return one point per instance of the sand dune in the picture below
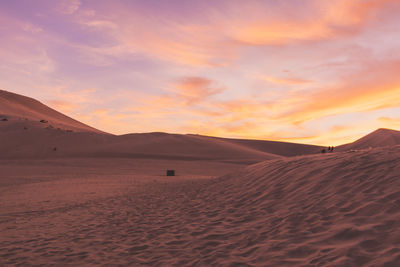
(39, 142)
(26, 108)
(22, 135)
(337, 209)
(20, 138)
(274, 147)
(378, 138)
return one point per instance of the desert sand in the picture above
(101, 199)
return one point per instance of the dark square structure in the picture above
(170, 172)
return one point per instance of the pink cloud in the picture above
(195, 89)
(62, 106)
(68, 6)
(375, 87)
(285, 80)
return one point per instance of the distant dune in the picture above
(27, 139)
(274, 147)
(35, 130)
(378, 138)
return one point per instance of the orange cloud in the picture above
(196, 89)
(101, 24)
(62, 106)
(241, 109)
(388, 122)
(285, 81)
(227, 34)
(376, 87)
(326, 20)
(186, 44)
(217, 38)
(185, 98)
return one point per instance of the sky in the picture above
(307, 71)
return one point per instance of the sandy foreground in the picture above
(73, 211)
(339, 209)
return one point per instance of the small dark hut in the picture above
(170, 172)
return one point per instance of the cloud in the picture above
(193, 90)
(389, 121)
(215, 39)
(285, 80)
(101, 24)
(214, 35)
(29, 27)
(321, 20)
(375, 87)
(68, 6)
(62, 106)
(70, 102)
(100, 112)
(218, 48)
(184, 98)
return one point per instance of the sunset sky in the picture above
(311, 71)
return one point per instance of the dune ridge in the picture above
(379, 138)
(39, 142)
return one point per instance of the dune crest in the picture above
(379, 138)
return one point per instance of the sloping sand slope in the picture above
(379, 138)
(339, 209)
(26, 108)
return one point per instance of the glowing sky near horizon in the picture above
(312, 71)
